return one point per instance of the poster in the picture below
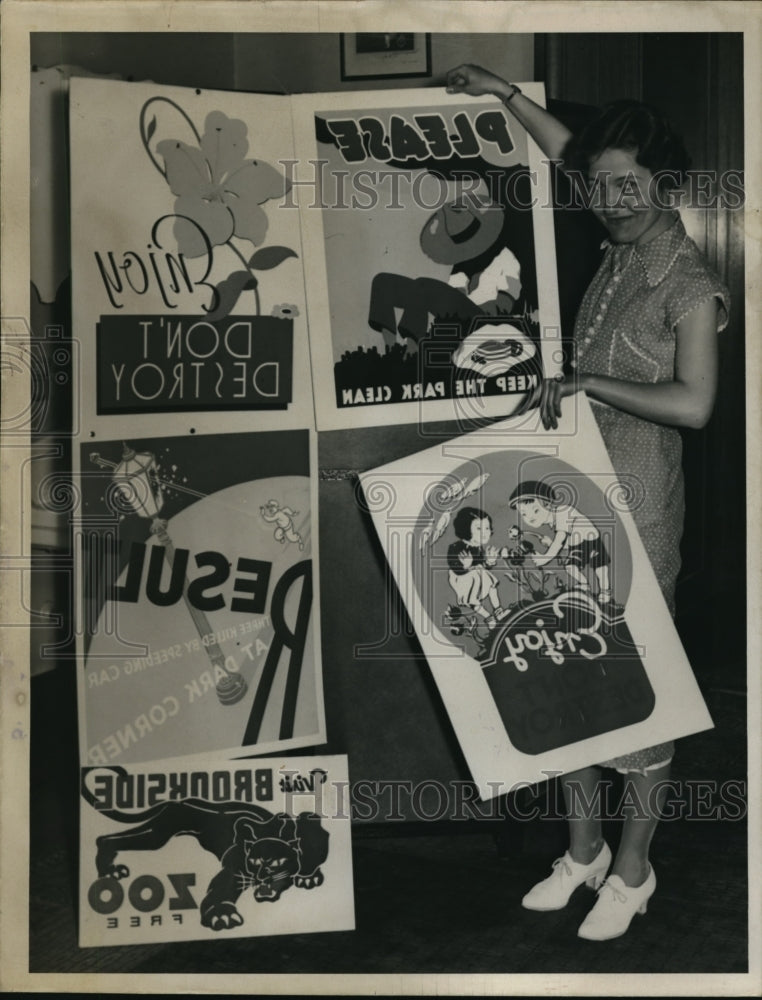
(426, 223)
(182, 45)
(199, 607)
(187, 267)
(548, 656)
(246, 849)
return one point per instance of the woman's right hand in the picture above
(475, 81)
(552, 392)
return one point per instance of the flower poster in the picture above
(183, 853)
(429, 255)
(187, 265)
(533, 599)
(199, 618)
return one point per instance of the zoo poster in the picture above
(429, 255)
(533, 598)
(243, 849)
(188, 293)
(199, 621)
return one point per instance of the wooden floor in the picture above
(437, 898)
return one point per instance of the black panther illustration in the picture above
(257, 849)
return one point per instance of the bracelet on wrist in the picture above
(514, 90)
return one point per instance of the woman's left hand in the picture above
(553, 391)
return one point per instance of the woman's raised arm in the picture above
(549, 134)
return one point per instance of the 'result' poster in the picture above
(427, 230)
(199, 622)
(533, 599)
(251, 848)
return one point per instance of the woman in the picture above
(646, 355)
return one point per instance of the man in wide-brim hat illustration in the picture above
(468, 236)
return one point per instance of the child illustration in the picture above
(469, 560)
(576, 541)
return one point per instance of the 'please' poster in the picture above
(427, 230)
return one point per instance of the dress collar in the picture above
(658, 255)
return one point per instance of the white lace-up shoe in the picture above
(615, 907)
(553, 893)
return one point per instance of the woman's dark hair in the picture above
(633, 126)
(465, 518)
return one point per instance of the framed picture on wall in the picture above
(373, 55)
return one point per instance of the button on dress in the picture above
(626, 328)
